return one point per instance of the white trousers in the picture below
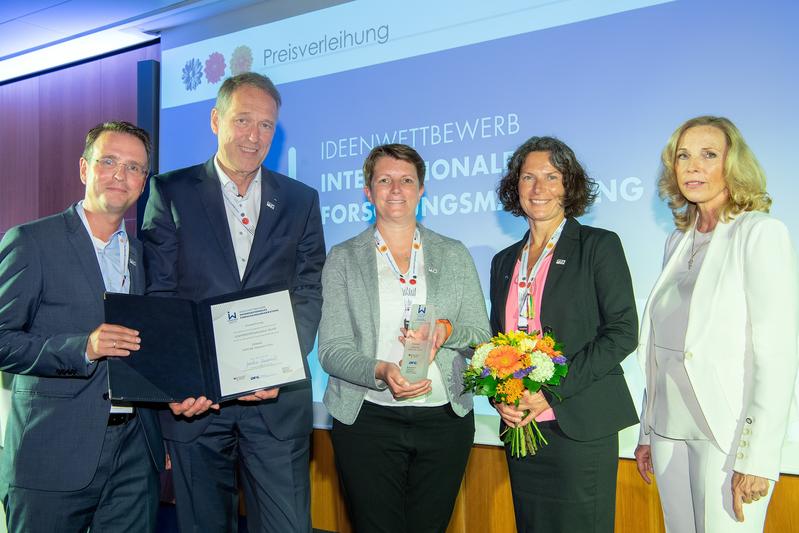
(694, 482)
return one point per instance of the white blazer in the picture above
(742, 341)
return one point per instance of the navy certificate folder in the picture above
(177, 358)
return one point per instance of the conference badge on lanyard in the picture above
(407, 281)
(526, 280)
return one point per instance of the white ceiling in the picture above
(39, 34)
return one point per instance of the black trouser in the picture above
(401, 467)
(569, 486)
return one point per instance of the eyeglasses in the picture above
(110, 164)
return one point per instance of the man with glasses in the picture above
(74, 460)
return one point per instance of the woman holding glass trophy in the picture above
(402, 427)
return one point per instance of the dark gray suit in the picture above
(51, 298)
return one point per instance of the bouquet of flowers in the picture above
(510, 363)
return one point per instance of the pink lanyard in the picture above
(526, 307)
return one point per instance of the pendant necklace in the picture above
(695, 249)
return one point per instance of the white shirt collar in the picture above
(82, 214)
(224, 179)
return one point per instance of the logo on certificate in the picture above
(231, 316)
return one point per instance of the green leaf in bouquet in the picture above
(487, 386)
(532, 386)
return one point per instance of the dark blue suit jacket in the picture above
(189, 253)
(51, 298)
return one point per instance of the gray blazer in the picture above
(351, 316)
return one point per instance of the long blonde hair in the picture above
(746, 181)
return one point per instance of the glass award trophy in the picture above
(419, 342)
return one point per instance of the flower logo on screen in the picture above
(192, 74)
(241, 60)
(214, 67)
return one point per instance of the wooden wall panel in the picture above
(45, 120)
(783, 511)
(69, 104)
(484, 504)
(118, 99)
(485, 499)
(328, 510)
(637, 504)
(19, 153)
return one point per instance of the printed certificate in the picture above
(256, 343)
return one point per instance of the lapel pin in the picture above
(270, 205)
(132, 261)
(560, 261)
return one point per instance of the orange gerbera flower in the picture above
(504, 360)
(545, 344)
(512, 389)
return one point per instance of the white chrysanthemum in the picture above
(544, 367)
(527, 345)
(480, 354)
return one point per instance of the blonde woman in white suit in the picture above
(719, 337)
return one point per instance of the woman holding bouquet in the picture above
(572, 280)
(401, 447)
(720, 379)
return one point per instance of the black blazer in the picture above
(188, 253)
(588, 302)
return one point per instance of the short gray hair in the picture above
(253, 79)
